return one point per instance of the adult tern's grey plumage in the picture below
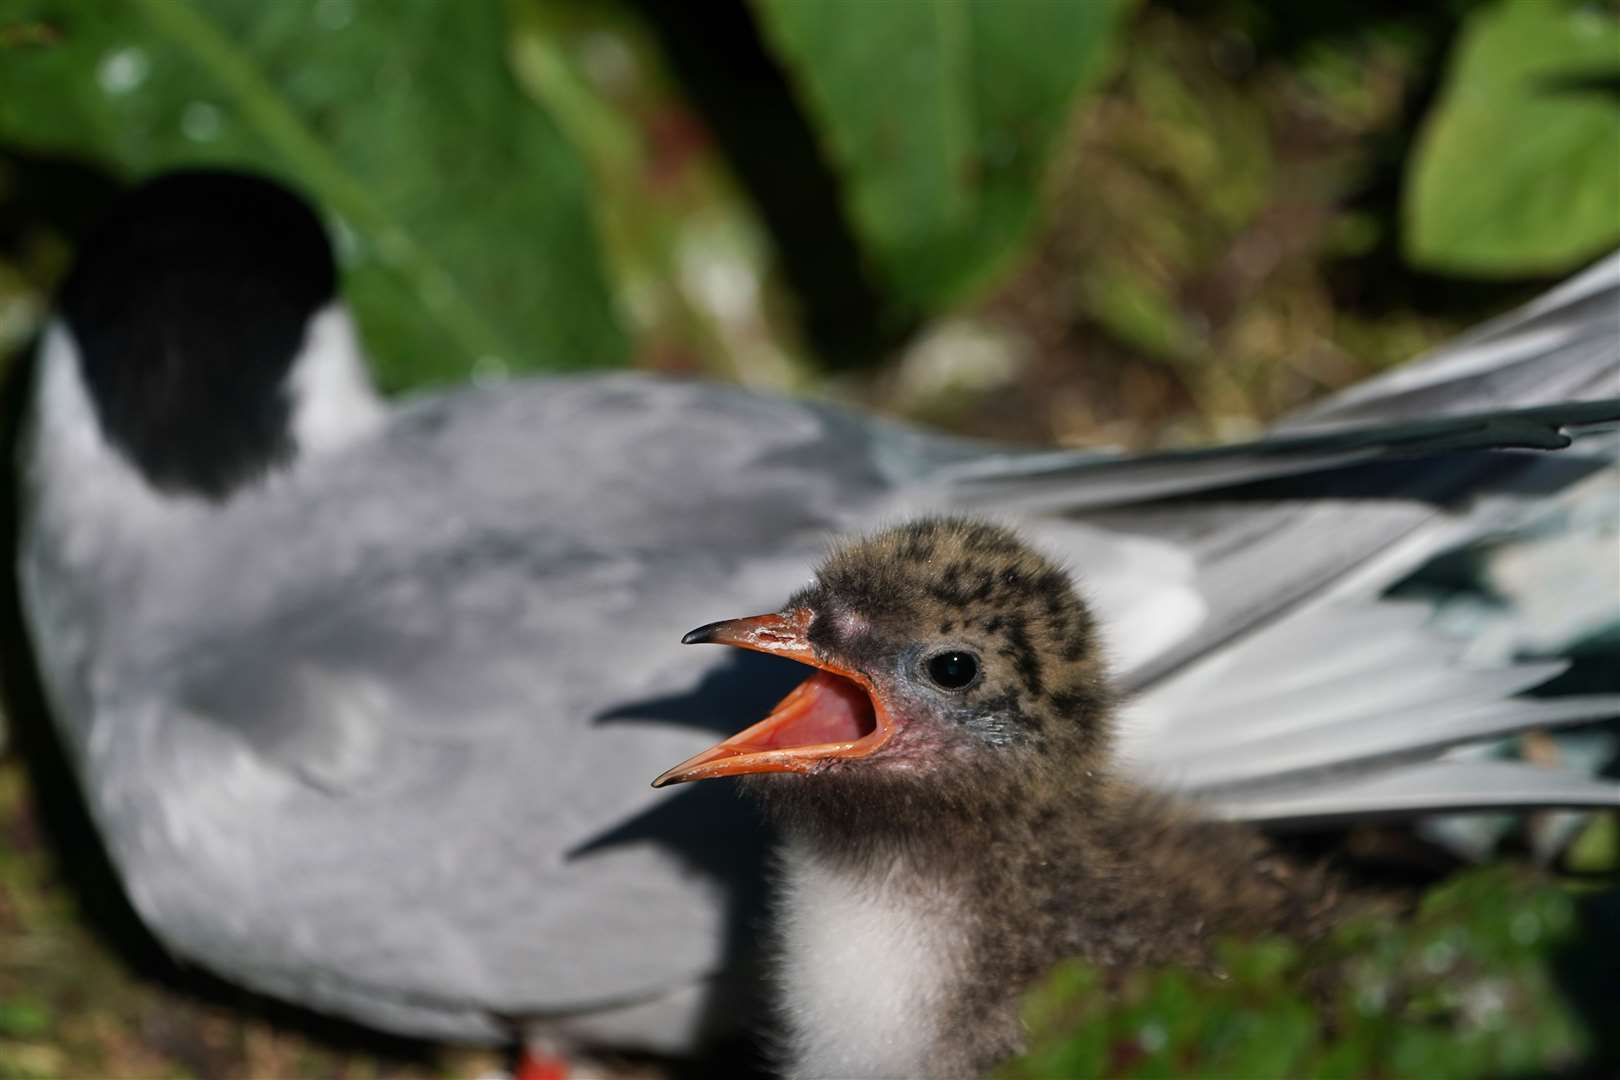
(364, 698)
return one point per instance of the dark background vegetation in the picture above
(1090, 222)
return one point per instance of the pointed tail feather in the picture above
(1432, 787)
(1371, 743)
(1519, 381)
(1429, 787)
(1085, 480)
(1422, 687)
(1560, 347)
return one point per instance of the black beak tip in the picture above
(702, 635)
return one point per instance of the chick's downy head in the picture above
(945, 646)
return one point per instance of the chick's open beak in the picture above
(831, 716)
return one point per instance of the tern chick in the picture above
(954, 822)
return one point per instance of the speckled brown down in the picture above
(999, 801)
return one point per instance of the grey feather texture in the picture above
(375, 733)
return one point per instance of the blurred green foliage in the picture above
(940, 119)
(1497, 974)
(463, 214)
(1518, 169)
(1219, 244)
(521, 186)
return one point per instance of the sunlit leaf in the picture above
(1518, 167)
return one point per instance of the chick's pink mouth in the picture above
(831, 716)
(825, 708)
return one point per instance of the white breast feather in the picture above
(866, 963)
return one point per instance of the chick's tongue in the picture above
(825, 708)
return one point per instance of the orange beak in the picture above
(831, 716)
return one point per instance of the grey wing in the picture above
(1424, 787)
(1306, 716)
(414, 787)
(1355, 704)
(1068, 482)
(1272, 678)
(396, 813)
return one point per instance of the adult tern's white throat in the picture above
(364, 696)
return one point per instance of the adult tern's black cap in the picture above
(187, 305)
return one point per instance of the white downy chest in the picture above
(867, 962)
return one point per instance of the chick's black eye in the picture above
(953, 670)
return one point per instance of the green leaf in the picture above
(1517, 170)
(1597, 849)
(940, 115)
(23, 1018)
(1138, 311)
(464, 222)
(1493, 975)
